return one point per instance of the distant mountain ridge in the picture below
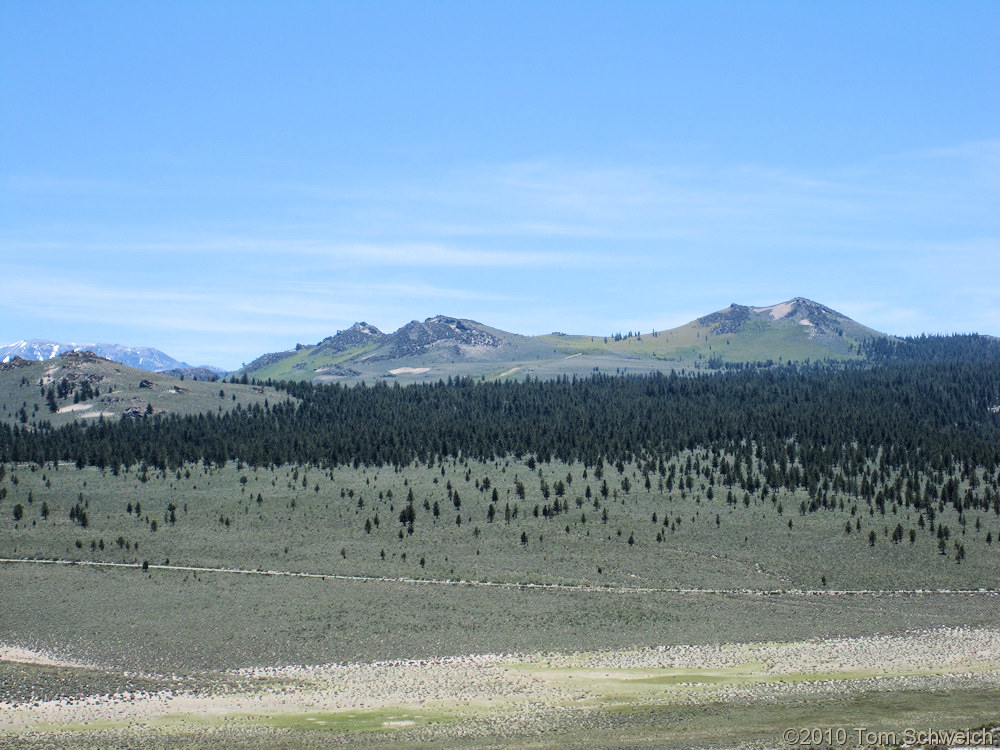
(442, 346)
(363, 348)
(140, 357)
(796, 330)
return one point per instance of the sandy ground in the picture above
(752, 672)
(19, 655)
(478, 680)
(88, 410)
(75, 407)
(409, 370)
(941, 648)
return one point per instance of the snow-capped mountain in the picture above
(142, 357)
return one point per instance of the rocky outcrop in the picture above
(14, 364)
(337, 371)
(454, 335)
(730, 320)
(359, 334)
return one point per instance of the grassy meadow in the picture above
(550, 523)
(473, 603)
(637, 567)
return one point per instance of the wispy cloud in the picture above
(552, 199)
(58, 185)
(436, 254)
(983, 156)
(379, 254)
(905, 243)
(416, 222)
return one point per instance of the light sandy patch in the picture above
(97, 414)
(512, 370)
(409, 370)
(20, 655)
(805, 322)
(472, 680)
(927, 661)
(75, 407)
(777, 311)
(948, 649)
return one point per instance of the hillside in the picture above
(672, 527)
(791, 331)
(442, 346)
(82, 386)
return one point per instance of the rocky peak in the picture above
(363, 328)
(437, 333)
(359, 334)
(819, 319)
(816, 319)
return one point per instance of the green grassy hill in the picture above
(439, 347)
(85, 388)
(795, 331)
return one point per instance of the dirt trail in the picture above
(514, 585)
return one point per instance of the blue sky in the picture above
(220, 180)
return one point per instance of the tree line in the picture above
(914, 415)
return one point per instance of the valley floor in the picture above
(463, 605)
(845, 692)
